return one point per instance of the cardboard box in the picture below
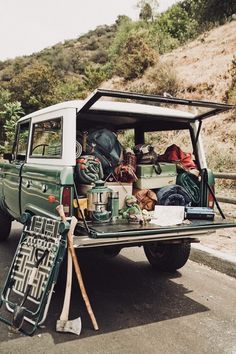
(123, 190)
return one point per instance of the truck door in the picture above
(12, 171)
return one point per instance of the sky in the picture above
(27, 26)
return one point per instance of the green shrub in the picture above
(135, 57)
(34, 86)
(70, 89)
(99, 56)
(162, 41)
(211, 11)
(93, 77)
(177, 23)
(157, 80)
(92, 44)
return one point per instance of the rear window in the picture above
(47, 139)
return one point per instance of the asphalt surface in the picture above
(137, 309)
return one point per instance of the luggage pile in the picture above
(139, 179)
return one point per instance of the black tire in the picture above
(5, 227)
(167, 257)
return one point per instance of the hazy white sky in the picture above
(27, 26)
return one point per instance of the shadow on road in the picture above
(123, 293)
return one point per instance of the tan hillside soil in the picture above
(202, 65)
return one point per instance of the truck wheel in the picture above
(5, 227)
(167, 257)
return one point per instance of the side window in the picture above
(22, 141)
(47, 139)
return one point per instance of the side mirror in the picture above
(8, 156)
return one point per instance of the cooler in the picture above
(149, 179)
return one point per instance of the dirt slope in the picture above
(202, 65)
(202, 68)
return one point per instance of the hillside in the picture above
(202, 66)
(202, 69)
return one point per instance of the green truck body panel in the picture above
(26, 187)
(10, 181)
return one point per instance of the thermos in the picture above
(114, 205)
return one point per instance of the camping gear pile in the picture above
(128, 182)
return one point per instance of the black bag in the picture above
(103, 144)
(146, 155)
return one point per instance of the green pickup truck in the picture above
(40, 173)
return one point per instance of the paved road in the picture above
(139, 311)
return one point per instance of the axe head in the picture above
(72, 326)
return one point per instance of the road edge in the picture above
(224, 263)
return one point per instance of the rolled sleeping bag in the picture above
(173, 195)
(88, 169)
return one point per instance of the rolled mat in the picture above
(191, 184)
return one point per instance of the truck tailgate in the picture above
(124, 233)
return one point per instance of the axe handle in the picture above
(74, 221)
(66, 305)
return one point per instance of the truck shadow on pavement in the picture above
(123, 293)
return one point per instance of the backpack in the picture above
(103, 144)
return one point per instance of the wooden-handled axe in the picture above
(60, 210)
(64, 324)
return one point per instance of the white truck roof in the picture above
(194, 110)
